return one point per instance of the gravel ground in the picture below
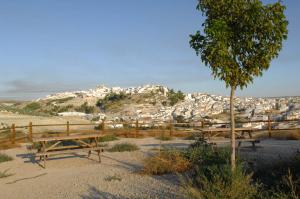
(79, 177)
(117, 176)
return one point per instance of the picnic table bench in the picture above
(240, 132)
(52, 145)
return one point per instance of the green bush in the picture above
(121, 147)
(110, 99)
(32, 107)
(108, 138)
(85, 108)
(5, 158)
(220, 182)
(164, 137)
(175, 97)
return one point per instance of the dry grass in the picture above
(165, 162)
(4, 174)
(121, 147)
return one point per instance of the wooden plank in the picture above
(237, 140)
(70, 137)
(226, 129)
(67, 151)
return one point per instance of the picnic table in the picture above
(52, 145)
(240, 133)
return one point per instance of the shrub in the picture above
(85, 108)
(175, 97)
(107, 138)
(5, 158)
(121, 147)
(166, 162)
(32, 107)
(220, 182)
(109, 99)
(203, 154)
(191, 136)
(164, 137)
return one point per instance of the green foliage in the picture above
(239, 38)
(164, 137)
(29, 110)
(175, 97)
(180, 119)
(32, 106)
(108, 138)
(85, 108)
(212, 176)
(121, 147)
(109, 99)
(191, 136)
(201, 153)
(5, 158)
(219, 182)
(60, 101)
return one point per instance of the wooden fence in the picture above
(136, 128)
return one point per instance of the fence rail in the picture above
(133, 127)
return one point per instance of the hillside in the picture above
(151, 102)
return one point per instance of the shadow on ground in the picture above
(94, 193)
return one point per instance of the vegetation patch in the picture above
(113, 178)
(164, 137)
(191, 136)
(108, 138)
(5, 158)
(33, 106)
(85, 108)
(110, 100)
(175, 97)
(164, 162)
(121, 147)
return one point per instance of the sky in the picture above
(49, 46)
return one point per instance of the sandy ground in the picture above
(79, 177)
(22, 120)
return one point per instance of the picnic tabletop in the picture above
(67, 137)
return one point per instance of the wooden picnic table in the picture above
(240, 132)
(51, 145)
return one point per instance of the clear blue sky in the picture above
(48, 46)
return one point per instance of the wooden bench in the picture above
(51, 145)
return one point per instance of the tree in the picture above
(238, 41)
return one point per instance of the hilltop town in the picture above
(150, 103)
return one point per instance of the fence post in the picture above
(136, 127)
(68, 128)
(103, 126)
(13, 133)
(171, 127)
(30, 131)
(202, 124)
(269, 126)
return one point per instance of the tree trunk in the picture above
(232, 128)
